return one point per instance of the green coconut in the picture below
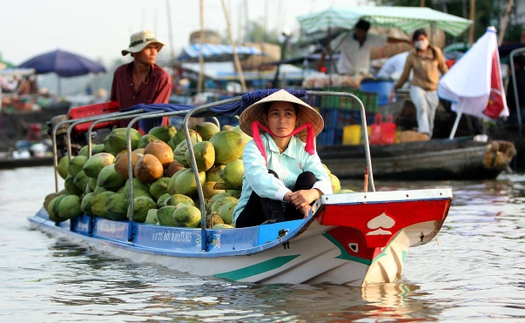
(48, 199)
(176, 199)
(151, 217)
(180, 136)
(159, 187)
(76, 164)
(218, 203)
(164, 133)
(141, 206)
(165, 215)
(98, 203)
(187, 216)
(214, 174)
(116, 207)
(85, 205)
(94, 165)
(243, 134)
(81, 180)
(204, 153)
(186, 183)
(163, 199)
(226, 212)
(69, 207)
(145, 140)
(228, 145)
(232, 174)
(207, 129)
(116, 141)
(62, 167)
(109, 179)
(52, 208)
(171, 184)
(137, 185)
(98, 148)
(71, 188)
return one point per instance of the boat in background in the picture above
(464, 158)
(353, 238)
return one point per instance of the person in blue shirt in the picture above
(283, 173)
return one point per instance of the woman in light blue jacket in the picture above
(283, 173)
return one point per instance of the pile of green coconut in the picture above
(164, 184)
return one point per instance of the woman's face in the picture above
(281, 118)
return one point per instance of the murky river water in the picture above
(475, 271)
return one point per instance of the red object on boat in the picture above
(93, 110)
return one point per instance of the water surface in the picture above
(475, 271)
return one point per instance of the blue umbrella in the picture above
(63, 63)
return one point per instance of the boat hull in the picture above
(440, 159)
(350, 239)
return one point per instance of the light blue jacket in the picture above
(288, 165)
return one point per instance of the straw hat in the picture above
(305, 113)
(138, 41)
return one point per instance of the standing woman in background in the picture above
(426, 62)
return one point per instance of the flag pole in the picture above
(456, 124)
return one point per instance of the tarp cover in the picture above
(407, 19)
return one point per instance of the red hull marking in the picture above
(352, 244)
(379, 222)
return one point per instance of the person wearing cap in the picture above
(283, 173)
(141, 81)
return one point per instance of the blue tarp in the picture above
(215, 52)
(230, 109)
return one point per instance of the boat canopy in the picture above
(215, 52)
(407, 19)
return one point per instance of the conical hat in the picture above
(306, 113)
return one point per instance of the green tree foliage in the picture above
(487, 13)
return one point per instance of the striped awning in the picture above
(407, 19)
(215, 52)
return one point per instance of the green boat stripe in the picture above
(256, 269)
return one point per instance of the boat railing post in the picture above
(142, 116)
(68, 133)
(364, 130)
(55, 150)
(103, 117)
(121, 116)
(515, 87)
(202, 108)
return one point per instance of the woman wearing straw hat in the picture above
(283, 173)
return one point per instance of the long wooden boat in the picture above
(353, 238)
(438, 159)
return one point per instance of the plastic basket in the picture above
(93, 110)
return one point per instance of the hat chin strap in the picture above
(309, 147)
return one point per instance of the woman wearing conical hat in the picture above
(283, 173)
